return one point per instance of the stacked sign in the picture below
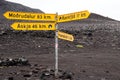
(32, 16)
(53, 18)
(44, 17)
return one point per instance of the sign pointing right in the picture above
(73, 16)
(65, 36)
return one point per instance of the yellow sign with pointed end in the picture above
(65, 36)
(73, 16)
(33, 26)
(29, 16)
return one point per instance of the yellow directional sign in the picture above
(33, 26)
(29, 16)
(73, 16)
(65, 36)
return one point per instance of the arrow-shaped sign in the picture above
(73, 16)
(33, 26)
(29, 16)
(65, 36)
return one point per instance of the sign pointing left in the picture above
(33, 26)
(30, 16)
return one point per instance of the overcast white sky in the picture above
(109, 8)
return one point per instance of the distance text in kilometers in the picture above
(33, 26)
(29, 16)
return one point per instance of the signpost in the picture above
(52, 25)
(73, 16)
(65, 36)
(29, 16)
(33, 26)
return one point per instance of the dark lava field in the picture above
(93, 55)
